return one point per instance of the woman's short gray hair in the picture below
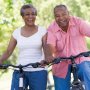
(26, 6)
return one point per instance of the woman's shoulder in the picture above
(17, 30)
(16, 33)
(42, 29)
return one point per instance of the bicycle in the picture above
(20, 67)
(76, 84)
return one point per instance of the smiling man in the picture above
(66, 37)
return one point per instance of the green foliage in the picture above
(9, 16)
(28, 1)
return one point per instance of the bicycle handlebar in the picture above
(59, 59)
(55, 61)
(34, 65)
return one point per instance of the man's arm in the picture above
(49, 50)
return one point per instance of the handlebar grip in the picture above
(86, 54)
(36, 65)
(3, 66)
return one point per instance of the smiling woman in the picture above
(30, 40)
(28, 14)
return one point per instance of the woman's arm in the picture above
(9, 50)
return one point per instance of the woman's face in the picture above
(29, 16)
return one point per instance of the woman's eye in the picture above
(30, 14)
(27, 14)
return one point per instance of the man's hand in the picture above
(49, 59)
(43, 63)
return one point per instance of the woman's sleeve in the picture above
(14, 34)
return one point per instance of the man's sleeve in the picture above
(84, 28)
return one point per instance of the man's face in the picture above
(61, 15)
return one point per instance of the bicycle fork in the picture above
(76, 84)
(21, 85)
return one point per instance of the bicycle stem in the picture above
(74, 69)
(21, 78)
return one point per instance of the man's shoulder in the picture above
(75, 20)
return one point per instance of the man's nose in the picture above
(61, 17)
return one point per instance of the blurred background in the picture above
(10, 19)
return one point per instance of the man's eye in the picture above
(64, 14)
(26, 14)
(56, 16)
